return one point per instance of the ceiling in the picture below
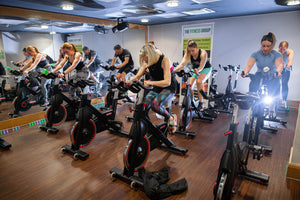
(12, 24)
(156, 11)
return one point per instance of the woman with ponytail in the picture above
(37, 61)
(266, 57)
(200, 64)
(75, 60)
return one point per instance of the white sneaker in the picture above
(173, 123)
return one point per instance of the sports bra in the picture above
(196, 62)
(79, 66)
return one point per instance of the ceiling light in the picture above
(171, 15)
(44, 26)
(172, 3)
(145, 20)
(52, 32)
(115, 14)
(204, 1)
(293, 2)
(67, 7)
(287, 2)
(121, 26)
(199, 11)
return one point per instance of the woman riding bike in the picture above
(164, 87)
(75, 59)
(266, 57)
(201, 66)
(36, 61)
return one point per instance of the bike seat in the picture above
(245, 101)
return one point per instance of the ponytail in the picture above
(271, 38)
(190, 44)
(32, 49)
(69, 46)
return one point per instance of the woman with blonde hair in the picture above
(200, 64)
(164, 87)
(35, 62)
(75, 60)
(288, 56)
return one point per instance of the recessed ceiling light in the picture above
(293, 2)
(115, 14)
(199, 11)
(67, 7)
(172, 3)
(145, 20)
(44, 26)
(204, 1)
(171, 15)
(52, 32)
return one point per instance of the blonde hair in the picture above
(69, 46)
(32, 49)
(190, 44)
(149, 51)
(284, 44)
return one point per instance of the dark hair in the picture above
(85, 48)
(151, 42)
(269, 37)
(117, 47)
(24, 49)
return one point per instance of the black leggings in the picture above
(155, 101)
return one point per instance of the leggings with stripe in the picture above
(156, 101)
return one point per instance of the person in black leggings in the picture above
(164, 87)
(76, 62)
(127, 62)
(37, 61)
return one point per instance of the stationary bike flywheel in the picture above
(85, 137)
(21, 105)
(140, 157)
(59, 115)
(186, 116)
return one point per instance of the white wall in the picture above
(234, 40)
(131, 39)
(14, 42)
(2, 59)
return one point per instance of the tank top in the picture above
(157, 74)
(196, 62)
(286, 58)
(41, 64)
(79, 66)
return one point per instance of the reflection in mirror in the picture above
(48, 36)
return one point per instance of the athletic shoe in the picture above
(45, 104)
(173, 123)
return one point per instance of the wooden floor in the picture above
(35, 168)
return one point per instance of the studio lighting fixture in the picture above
(288, 2)
(44, 26)
(121, 26)
(52, 32)
(144, 20)
(67, 7)
(100, 29)
(172, 3)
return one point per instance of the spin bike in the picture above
(4, 145)
(28, 92)
(144, 137)
(113, 94)
(57, 113)
(268, 107)
(90, 121)
(235, 157)
(188, 105)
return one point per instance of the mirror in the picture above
(18, 32)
